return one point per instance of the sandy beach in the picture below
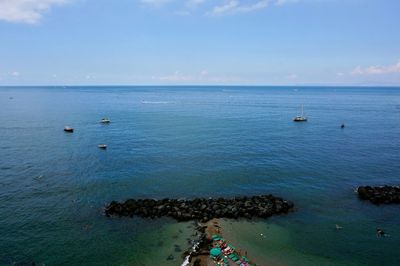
(216, 227)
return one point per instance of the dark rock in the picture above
(380, 195)
(203, 210)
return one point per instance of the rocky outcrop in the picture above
(201, 209)
(380, 195)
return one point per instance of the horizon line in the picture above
(208, 85)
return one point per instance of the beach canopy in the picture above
(216, 237)
(215, 252)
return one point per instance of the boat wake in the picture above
(156, 102)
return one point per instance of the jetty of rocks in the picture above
(201, 209)
(380, 195)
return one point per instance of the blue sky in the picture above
(232, 42)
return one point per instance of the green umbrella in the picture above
(216, 237)
(215, 252)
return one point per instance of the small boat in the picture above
(105, 120)
(102, 146)
(342, 126)
(300, 118)
(68, 129)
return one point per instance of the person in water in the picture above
(380, 233)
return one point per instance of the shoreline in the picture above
(210, 248)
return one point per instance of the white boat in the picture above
(102, 146)
(105, 120)
(68, 129)
(300, 118)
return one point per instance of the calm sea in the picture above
(195, 142)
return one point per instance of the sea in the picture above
(196, 141)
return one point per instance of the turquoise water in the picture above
(190, 142)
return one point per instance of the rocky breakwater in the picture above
(201, 209)
(380, 195)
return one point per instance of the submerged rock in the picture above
(177, 249)
(201, 209)
(380, 195)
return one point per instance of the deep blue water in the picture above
(190, 142)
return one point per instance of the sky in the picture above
(200, 42)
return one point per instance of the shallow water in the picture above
(190, 142)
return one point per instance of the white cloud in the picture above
(26, 11)
(292, 76)
(194, 3)
(203, 77)
(155, 3)
(222, 7)
(375, 70)
(175, 77)
(15, 74)
(89, 77)
(283, 2)
(256, 6)
(234, 6)
(10, 75)
(229, 6)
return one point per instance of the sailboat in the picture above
(300, 118)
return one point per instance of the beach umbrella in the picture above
(232, 247)
(216, 237)
(215, 252)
